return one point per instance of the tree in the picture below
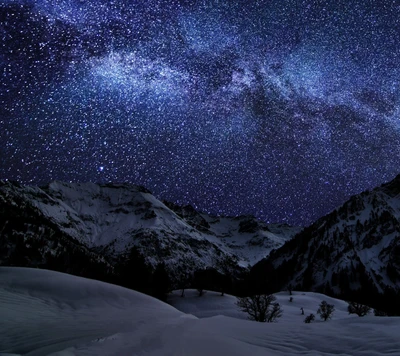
(200, 281)
(325, 310)
(185, 282)
(210, 279)
(275, 312)
(380, 313)
(134, 272)
(161, 282)
(309, 318)
(260, 307)
(223, 267)
(357, 308)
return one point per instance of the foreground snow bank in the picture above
(44, 312)
(344, 334)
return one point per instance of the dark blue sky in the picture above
(281, 109)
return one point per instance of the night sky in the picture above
(280, 109)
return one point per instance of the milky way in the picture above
(280, 109)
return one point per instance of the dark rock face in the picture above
(190, 215)
(249, 225)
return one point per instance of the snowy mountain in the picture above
(50, 313)
(353, 252)
(41, 226)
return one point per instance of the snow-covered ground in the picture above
(212, 304)
(44, 312)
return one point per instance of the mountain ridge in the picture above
(109, 220)
(352, 252)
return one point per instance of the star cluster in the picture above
(280, 109)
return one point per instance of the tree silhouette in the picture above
(357, 308)
(161, 282)
(261, 307)
(325, 310)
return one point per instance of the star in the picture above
(280, 109)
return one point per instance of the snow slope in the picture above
(44, 312)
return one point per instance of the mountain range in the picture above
(79, 228)
(100, 230)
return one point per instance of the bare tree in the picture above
(325, 310)
(357, 308)
(185, 282)
(262, 308)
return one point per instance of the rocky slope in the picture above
(353, 252)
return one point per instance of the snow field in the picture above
(50, 313)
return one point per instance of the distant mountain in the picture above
(353, 252)
(89, 229)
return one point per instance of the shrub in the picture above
(325, 310)
(309, 318)
(357, 308)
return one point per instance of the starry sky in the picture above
(277, 108)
